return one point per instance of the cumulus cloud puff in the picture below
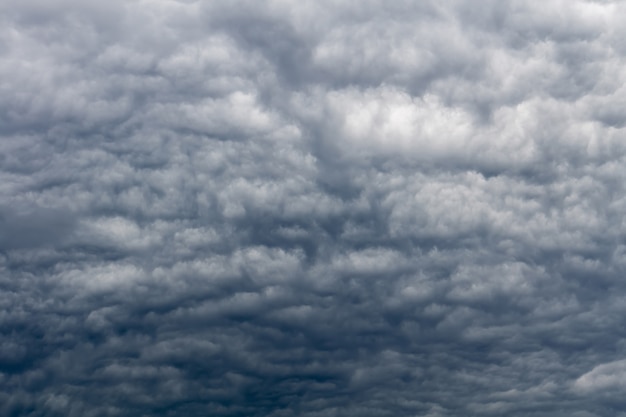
(312, 208)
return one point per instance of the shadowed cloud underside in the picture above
(312, 208)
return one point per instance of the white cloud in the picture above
(602, 378)
(291, 208)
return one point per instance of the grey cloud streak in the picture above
(312, 208)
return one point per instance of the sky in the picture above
(313, 208)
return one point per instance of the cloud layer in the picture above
(312, 208)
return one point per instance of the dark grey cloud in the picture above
(312, 208)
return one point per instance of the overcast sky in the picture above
(313, 208)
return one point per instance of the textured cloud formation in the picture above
(312, 208)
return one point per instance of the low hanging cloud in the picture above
(312, 208)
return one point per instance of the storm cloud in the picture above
(312, 208)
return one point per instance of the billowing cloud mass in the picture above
(312, 208)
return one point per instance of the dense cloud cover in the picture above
(312, 208)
